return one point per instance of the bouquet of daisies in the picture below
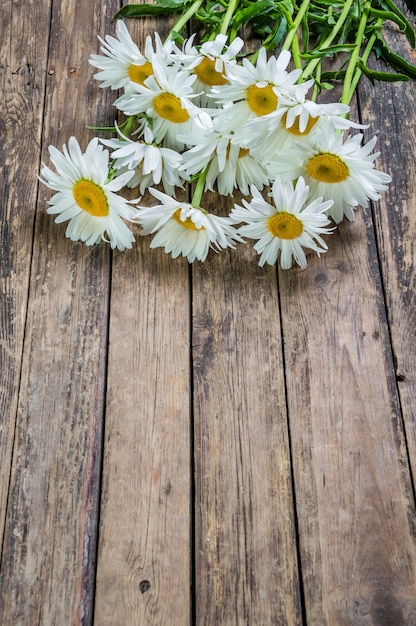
(211, 116)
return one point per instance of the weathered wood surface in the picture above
(395, 221)
(49, 544)
(246, 559)
(221, 445)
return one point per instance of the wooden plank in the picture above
(49, 546)
(144, 559)
(22, 73)
(246, 564)
(353, 490)
(395, 219)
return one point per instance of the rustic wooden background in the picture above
(217, 444)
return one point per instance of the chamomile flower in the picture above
(150, 162)
(166, 99)
(255, 90)
(289, 226)
(291, 123)
(85, 197)
(123, 64)
(182, 229)
(227, 165)
(342, 171)
(209, 63)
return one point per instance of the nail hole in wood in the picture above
(144, 586)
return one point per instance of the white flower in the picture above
(123, 64)
(336, 170)
(228, 165)
(165, 98)
(239, 170)
(255, 90)
(150, 162)
(293, 122)
(209, 63)
(86, 198)
(289, 226)
(185, 230)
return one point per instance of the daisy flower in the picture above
(150, 162)
(341, 171)
(86, 197)
(291, 123)
(182, 229)
(288, 226)
(123, 64)
(165, 99)
(227, 165)
(209, 63)
(255, 89)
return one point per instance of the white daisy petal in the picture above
(84, 198)
(123, 64)
(337, 170)
(165, 98)
(288, 226)
(184, 230)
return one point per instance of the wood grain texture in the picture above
(245, 548)
(22, 72)
(353, 489)
(390, 110)
(144, 562)
(49, 545)
(261, 475)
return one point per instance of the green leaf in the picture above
(259, 8)
(329, 51)
(333, 76)
(339, 4)
(385, 76)
(139, 10)
(277, 35)
(391, 58)
(176, 37)
(407, 27)
(286, 4)
(390, 16)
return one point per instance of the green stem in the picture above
(228, 16)
(199, 189)
(296, 54)
(346, 96)
(184, 19)
(309, 68)
(128, 124)
(316, 88)
(347, 93)
(295, 25)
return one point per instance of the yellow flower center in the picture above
(91, 198)
(327, 168)
(139, 73)
(261, 100)
(207, 73)
(188, 223)
(170, 108)
(294, 129)
(285, 225)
